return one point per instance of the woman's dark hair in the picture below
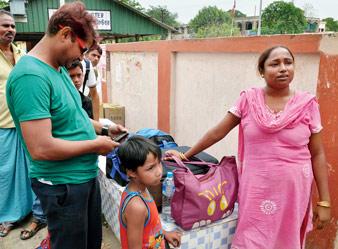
(133, 152)
(75, 16)
(265, 55)
(75, 64)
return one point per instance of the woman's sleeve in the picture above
(238, 107)
(315, 120)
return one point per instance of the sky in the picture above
(188, 9)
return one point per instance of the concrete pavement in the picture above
(13, 241)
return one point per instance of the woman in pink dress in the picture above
(280, 153)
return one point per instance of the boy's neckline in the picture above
(145, 194)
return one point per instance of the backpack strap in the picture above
(86, 73)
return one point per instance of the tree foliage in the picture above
(209, 16)
(4, 4)
(133, 4)
(216, 30)
(283, 18)
(162, 14)
(331, 24)
(237, 13)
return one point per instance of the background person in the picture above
(58, 136)
(16, 194)
(89, 86)
(280, 153)
(140, 224)
(76, 74)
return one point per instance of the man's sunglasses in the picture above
(82, 46)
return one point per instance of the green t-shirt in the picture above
(37, 91)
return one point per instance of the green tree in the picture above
(216, 30)
(283, 18)
(4, 4)
(208, 16)
(237, 13)
(133, 4)
(162, 14)
(331, 24)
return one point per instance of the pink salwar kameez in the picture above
(275, 171)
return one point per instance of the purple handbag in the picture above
(202, 199)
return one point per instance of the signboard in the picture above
(102, 16)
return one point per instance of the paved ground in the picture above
(13, 241)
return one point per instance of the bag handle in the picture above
(177, 160)
(180, 164)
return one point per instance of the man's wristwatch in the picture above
(104, 131)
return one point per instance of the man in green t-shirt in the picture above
(57, 134)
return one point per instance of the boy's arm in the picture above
(173, 237)
(135, 216)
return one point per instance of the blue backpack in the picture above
(162, 139)
(113, 165)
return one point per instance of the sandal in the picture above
(31, 232)
(7, 228)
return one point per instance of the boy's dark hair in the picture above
(76, 64)
(133, 153)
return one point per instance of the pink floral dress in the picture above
(275, 171)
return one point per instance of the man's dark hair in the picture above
(4, 12)
(75, 16)
(98, 48)
(133, 153)
(76, 64)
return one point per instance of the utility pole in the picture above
(260, 18)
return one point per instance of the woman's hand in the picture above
(173, 237)
(321, 215)
(175, 153)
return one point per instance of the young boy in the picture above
(76, 74)
(140, 224)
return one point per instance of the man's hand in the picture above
(116, 130)
(173, 237)
(105, 145)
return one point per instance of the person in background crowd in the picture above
(140, 224)
(16, 196)
(89, 85)
(94, 55)
(76, 74)
(59, 138)
(280, 153)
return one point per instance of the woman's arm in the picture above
(321, 177)
(212, 136)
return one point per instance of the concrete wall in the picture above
(133, 84)
(192, 83)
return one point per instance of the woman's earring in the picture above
(262, 75)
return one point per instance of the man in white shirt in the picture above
(94, 55)
(89, 87)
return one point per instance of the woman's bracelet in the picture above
(324, 204)
(183, 157)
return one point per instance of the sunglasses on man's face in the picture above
(83, 48)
